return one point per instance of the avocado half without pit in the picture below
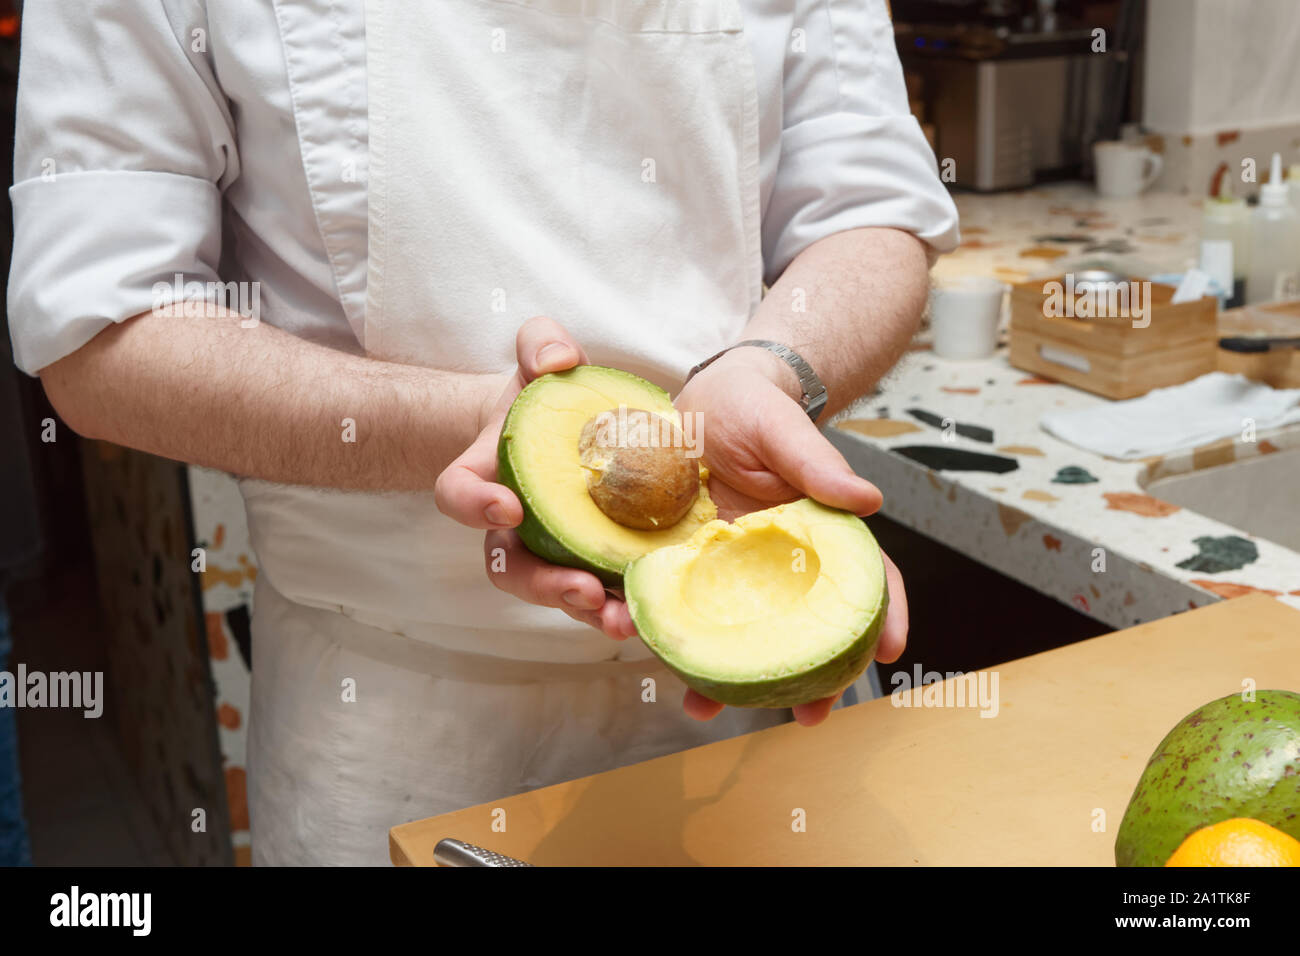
(781, 607)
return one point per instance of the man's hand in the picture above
(759, 444)
(762, 449)
(468, 492)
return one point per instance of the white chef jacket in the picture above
(229, 140)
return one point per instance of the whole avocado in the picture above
(1229, 758)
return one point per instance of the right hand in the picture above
(467, 491)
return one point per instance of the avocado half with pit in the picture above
(539, 459)
(780, 608)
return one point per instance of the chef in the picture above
(410, 187)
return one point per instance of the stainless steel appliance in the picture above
(1009, 108)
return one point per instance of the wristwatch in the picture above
(814, 392)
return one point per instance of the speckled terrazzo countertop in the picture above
(1072, 524)
(1016, 236)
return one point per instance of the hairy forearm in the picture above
(262, 403)
(849, 304)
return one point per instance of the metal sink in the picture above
(1258, 495)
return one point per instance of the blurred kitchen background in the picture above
(1013, 95)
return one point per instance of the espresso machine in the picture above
(1016, 91)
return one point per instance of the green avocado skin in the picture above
(1229, 758)
(824, 680)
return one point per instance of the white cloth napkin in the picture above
(1213, 406)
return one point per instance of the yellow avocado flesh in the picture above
(543, 431)
(777, 593)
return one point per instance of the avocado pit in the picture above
(638, 471)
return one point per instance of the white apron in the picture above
(592, 160)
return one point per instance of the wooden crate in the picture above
(1106, 355)
(1280, 367)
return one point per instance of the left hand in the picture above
(761, 449)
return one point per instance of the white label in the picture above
(1061, 357)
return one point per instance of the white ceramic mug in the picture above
(1124, 170)
(964, 317)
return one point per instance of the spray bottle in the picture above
(1274, 243)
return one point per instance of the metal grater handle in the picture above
(459, 853)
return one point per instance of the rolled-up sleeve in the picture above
(852, 154)
(123, 145)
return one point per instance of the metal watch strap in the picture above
(814, 392)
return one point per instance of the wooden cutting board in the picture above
(1044, 782)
